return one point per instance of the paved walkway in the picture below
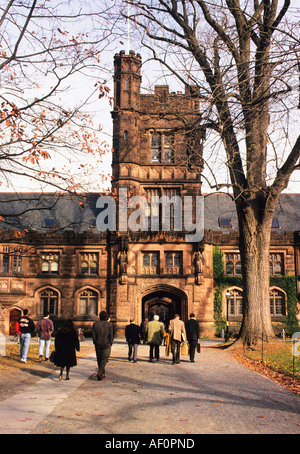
(214, 395)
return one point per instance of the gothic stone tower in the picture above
(157, 152)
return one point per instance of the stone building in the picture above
(149, 259)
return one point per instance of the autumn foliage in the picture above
(42, 121)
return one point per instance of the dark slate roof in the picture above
(32, 211)
(221, 206)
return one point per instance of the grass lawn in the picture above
(276, 361)
(12, 358)
(279, 357)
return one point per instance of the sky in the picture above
(100, 109)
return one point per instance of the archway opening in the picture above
(14, 316)
(163, 303)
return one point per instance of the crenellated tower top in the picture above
(157, 139)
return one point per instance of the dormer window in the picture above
(225, 223)
(93, 223)
(49, 223)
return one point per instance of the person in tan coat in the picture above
(154, 336)
(178, 334)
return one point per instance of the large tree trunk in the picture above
(255, 232)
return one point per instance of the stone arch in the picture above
(163, 300)
(14, 313)
(37, 296)
(86, 288)
(282, 295)
(234, 290)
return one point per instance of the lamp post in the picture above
(227, 322)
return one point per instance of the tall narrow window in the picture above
(229, 267)
(155, 148)
(235, 302)
(164, 214)
(154, 209)
(277, 302)
(49, 301)
(5, 263)
(276, 264)
(162, 147)
(172, 214)
(17, 264)
(168, 149)
(88, 303)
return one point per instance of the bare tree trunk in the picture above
(255, 233)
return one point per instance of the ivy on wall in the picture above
(218, 273)
(286, 283)
(289, 285)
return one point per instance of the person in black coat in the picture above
(103, 336)
(66, 342)
(143, 330)
(132, 335)
(192, 333)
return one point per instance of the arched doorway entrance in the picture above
(164, 301)
(14, 316)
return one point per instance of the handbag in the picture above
(167, 344)
(198, 346)
(52, 356)
(184, 349)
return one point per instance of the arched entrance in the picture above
(14, 316)
(164, 301)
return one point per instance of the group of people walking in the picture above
(25, 327)
(154, 333)
(67, 343)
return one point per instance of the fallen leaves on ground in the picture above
(290, 383)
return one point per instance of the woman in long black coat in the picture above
(66, 342)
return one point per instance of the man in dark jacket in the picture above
(132, 335)
(143, 330)
(103, 336)
(192, 333)
(25, 326)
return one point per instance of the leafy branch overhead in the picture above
(41, 121)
